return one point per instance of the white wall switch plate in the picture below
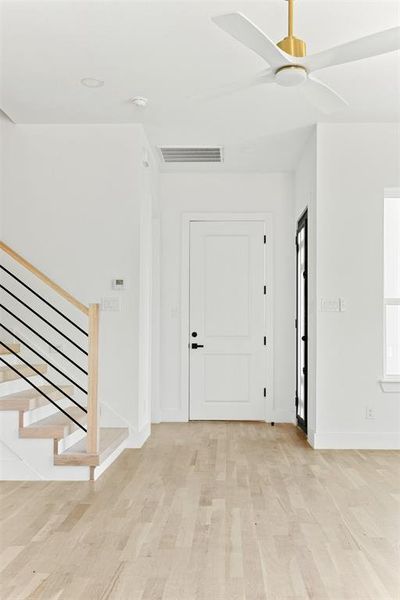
(330, 304)
(110, 304)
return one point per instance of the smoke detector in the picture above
(92, 82)
(139, 101)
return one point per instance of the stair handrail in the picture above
(52, 284)
(92, 312)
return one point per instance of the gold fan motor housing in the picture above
(293, 46)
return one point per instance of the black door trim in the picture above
(302, 224)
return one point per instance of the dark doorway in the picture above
(302, 321)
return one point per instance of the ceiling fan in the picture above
(290, 66)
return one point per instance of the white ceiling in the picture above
(173, 54)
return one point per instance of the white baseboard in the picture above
(172, 416)
(138, 438)
(354, 441)
(311, 437)
(109, 460)
(281, 416)
(134, 440)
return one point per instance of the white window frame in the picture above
(388, 302)
(390, 382)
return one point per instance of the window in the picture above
(392, 284)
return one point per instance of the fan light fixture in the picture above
(290, 76)
(289, 65)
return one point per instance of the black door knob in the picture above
(195, 346)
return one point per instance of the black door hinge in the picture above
(265, 340)
(265, 290)
(265, 239)
(295, 323)
(265, 392)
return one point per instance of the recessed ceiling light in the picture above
(91, 82)
(139, 101)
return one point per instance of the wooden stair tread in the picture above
(55, 426)
(110, 439)
(15, 347)
(31, 398)
(8, 374)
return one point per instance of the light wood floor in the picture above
(209, 511)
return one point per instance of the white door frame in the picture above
(267, 219)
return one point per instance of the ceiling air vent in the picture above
(191, 155)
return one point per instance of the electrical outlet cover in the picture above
(369, 413)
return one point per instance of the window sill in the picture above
(390, 386)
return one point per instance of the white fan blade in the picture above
(371, 45)
(322, 96)
(243, 30)
(238, 86)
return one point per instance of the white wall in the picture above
(5, 125)
(197, 192)
(76, 201)
(341, 177)
(355, 162)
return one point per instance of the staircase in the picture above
(49, 410)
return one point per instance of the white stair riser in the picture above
(23, 354)
(70, 440)
(19, 385)
(11, 359)
(31, 416)
(53, 357)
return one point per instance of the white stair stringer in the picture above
(36, 455)
(32, 459)
(25, 455)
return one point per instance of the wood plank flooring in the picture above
(209, 511)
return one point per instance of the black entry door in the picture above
(301, 322)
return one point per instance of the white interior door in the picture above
(227, 320)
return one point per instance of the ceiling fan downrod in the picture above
(291, 44)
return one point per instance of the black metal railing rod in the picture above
(11, 332)
(45, 359)
(43, 376)
(44, 300)
(39, 335)
(43, 394)
(47, 342)
(42, 318)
